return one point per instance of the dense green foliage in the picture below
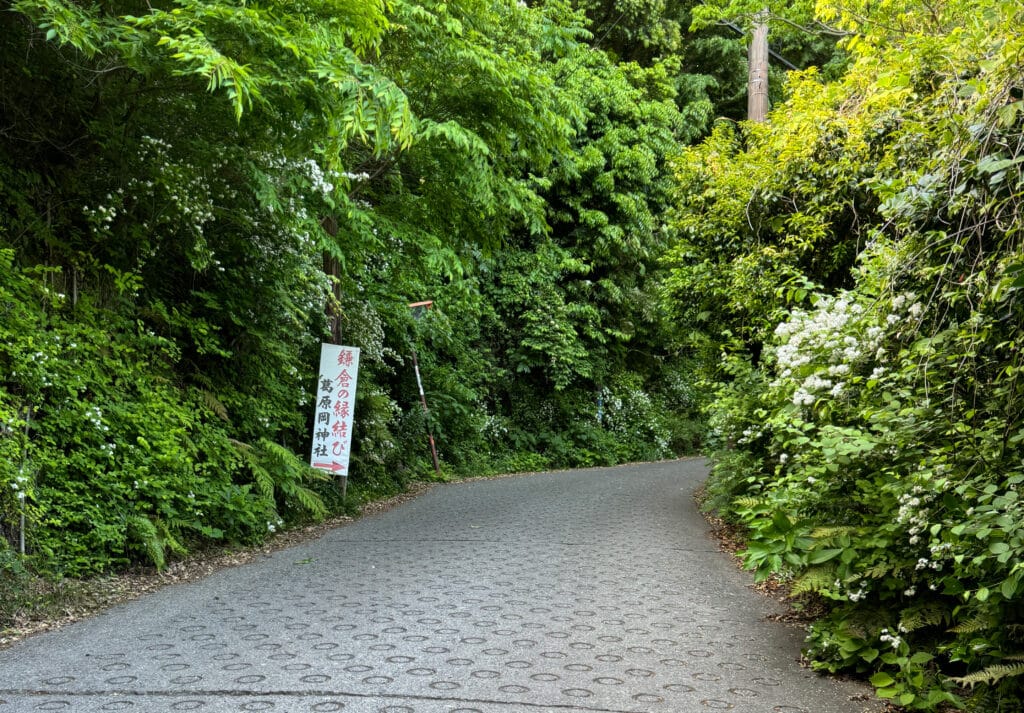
(197, 193)
(859, 266)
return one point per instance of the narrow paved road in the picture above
(594, 590)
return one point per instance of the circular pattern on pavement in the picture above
(594, 589)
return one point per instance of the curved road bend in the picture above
(596, 591)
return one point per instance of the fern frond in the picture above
(168, 539)
(878, 571)
(981, 622)
(314, 475)
(747, 502)
(215, 405)
(828, 533)
(310, 501)
(263, 479)
(815, 579)
(288, 465)
(279, 456)
(261, 476)
(143, 533)
(989, 675)
(929, 614)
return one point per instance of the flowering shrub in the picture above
(870, 426)
(636, 419)
(875, 494)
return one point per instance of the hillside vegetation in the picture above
(859, 271)
(195, 194)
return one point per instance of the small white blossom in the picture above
(891, 639)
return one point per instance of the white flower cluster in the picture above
(938, 552)
(913, 512)
(816, 340)
(629, 411)
(94, 416)
(853, 595)
(272, 526)
(925, 563)
(39, 359)
(182, 184)
(20, 486)
(494, 427)
(317, 177)
(612, 403)
(322, 181)
(102, 214)
(914, 308)
(364, 326)
(819, 350)
(750, 434)
(892, 639)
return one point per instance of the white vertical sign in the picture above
(335, 404)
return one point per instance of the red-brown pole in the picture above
(426, 412)
(416, 307)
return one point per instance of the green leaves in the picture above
(265, 56)
(882, 413)
(70, 23)
(882, 680)
(823, 555)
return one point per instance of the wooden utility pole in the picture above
(757, 77)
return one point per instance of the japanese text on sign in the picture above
(335, 403)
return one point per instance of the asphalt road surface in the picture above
(595, 590)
